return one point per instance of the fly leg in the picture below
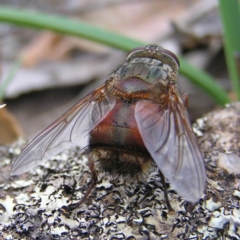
(185, 99)
(165, 192)
(93, 184)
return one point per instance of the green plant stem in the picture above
(76, 28)
(17, 64)
(230, 16)
(205, 82)
(68, 26)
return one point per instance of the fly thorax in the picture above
(147, 69)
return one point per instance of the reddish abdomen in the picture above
(119, 129)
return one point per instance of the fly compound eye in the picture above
(150, 51)
(138, 52)
(171, 55)
(155, 52)
(170, 60)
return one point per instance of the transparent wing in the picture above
(77, 122)
(169, 138)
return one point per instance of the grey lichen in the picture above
(36, 205)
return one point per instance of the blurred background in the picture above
(58, 70)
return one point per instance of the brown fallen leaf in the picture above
(143, 20)
(10, 130)
(40, 48)
(3, 105)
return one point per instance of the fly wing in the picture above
(169, 138)
(77, 122)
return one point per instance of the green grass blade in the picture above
(230, 15)
(17, 64)
(68, 26)
(76, 28)
(205, 82)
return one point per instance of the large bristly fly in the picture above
(135, 117)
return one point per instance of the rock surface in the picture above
(36, 205)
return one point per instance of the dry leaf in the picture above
(10, 130)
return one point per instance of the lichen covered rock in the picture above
(37, 205)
